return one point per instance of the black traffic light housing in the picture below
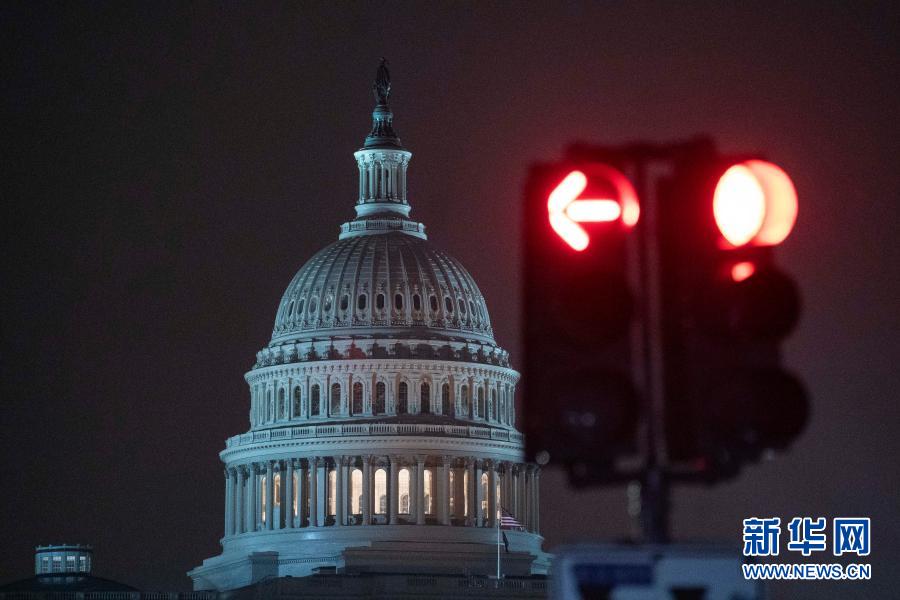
(580, 401)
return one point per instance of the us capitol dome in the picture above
(382, 415)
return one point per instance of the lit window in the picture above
(356, 491)
(332, 484)
(452, 492)
(295, 497)
(380, 492)
(466, 493)
(262, 496)
(277, 490)
(429, 489)
(484, 493)
(403, 491)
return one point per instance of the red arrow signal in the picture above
(566, 210)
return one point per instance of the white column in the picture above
(313, 491)
(229, 500)
(492, 494)
(288, 485)
(420, 490)
(479, 493)
(253, 497)
(240, 511)
(536, 507)
(270, 494)
(302, 483)
(445, 491)
(339, 505)
(472, 495)
(393, 495)
(367, 490)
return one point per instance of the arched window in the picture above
(448, 305)
(290, 310)
(446, 406)
(282, 407)
(270, 406)
(403, 491)
(345, 302)
(466, 401)
(314, 401)
(429, 492)
(313, 306)
(300, 306)
(356, 492)
(357, 406)
(332, 485)
(492, 407)
(297, 407)
(361, 302)
(472, 308)
(501, 410)
(378, 403)
(379, 301)
(380, 492)
(462, 306)
(398, 301)
(335, 399)
(417, 302)
(434, 303)
(403, 399)
(326, 305)
(484, 494)
(481, 411)
(425, 398)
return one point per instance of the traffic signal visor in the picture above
(755, 203)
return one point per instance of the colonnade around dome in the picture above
(377, 389)
(369, 489)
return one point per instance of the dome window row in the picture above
(484, 401)
(297, 312)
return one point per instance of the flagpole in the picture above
(499, 512)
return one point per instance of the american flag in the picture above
(507, 521)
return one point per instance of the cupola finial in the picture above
(382, 134)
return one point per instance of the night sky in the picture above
(168, 170)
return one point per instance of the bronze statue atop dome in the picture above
(382, 85)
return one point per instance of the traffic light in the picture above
(580, 401)
(726, 307)
(655, 310)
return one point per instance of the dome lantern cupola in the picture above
(382, 160)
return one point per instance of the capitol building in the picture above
(382, 434)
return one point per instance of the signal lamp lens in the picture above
(742, 270)
(755, 203)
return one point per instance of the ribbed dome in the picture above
(389, 284)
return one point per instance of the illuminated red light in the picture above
(566, 210)
(742, 270)
(755, 203)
